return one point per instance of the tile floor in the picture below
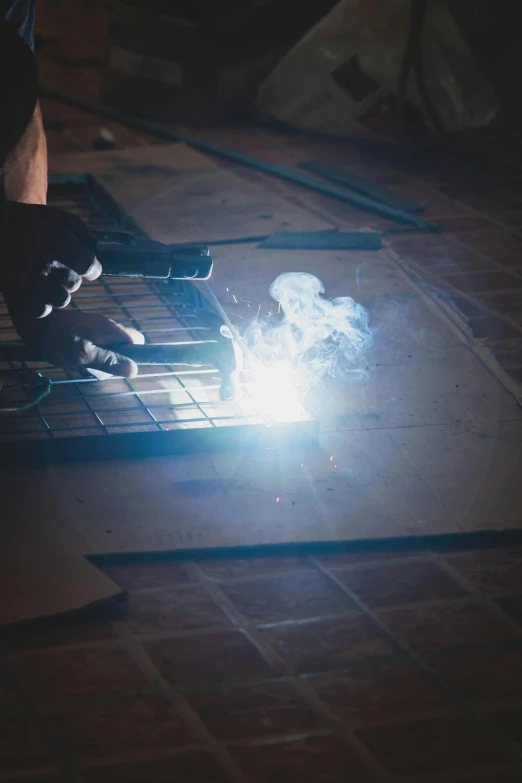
(322, 668)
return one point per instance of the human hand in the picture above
(44, 253)
(74, 340)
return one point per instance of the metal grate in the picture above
(130, 418)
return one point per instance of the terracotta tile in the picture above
(254, 566)
(399, 583)
(308, 760)
(416, 246)
(444, 626)
(341, 559)
(199, 767)
(59, 144)
(492, 328)
(227, 655)
(490, 571)
(503, 248)
(377, 695)
(290, 597)
(483, 677)
(458, 260)
(512, 605)
(436, 204)
(22, 745)
(483, 197)
(64, 674)
(53, 777)
(469, 307)
(465, 224)
(265, 709)
(512, 219)
(328, 644)
(477, 282)
(98, 731)
(74, 628)
(509, 354)
(9, 697)
(509, 722)
(430, 747)
(508, 304)
(181, 608)
(139, 576)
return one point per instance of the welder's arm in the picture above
(25, 168)
(44, 255)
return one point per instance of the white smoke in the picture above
(314, 338)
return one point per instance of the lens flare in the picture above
(290, 356)
(274, 392)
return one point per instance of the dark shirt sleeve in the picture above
(21, 14)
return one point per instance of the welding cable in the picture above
(41, 386)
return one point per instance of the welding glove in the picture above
(77, 340)
(44, 254)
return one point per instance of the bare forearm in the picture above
(25, 169)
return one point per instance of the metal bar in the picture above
(137, 326)
(323, 240)
(281, 172)
(361, 185)
(156, 444)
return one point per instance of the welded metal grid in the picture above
(160, 398)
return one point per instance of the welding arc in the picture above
(281, 172)
(245, 348)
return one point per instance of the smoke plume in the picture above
(315, 337)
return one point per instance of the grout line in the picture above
(499, 613)
(240, 622)
(278, 663)
(218, 750)
(64, 756)
(497, 736)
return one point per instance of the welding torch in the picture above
(123, 254)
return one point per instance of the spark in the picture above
(234, 298)
(279, 308)
(335, 466)
(331, 459)
(258, 311)
(228, 289)
(277, 500)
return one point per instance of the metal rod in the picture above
(281, 172)
(189, 353)
(364, 186)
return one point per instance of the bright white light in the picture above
(273, 392)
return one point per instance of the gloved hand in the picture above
(44, 253)
(74, 340)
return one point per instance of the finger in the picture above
(70, 280)
(113, 333)
(54, 294)
(111, 362)
(37, 308)
(74, 254)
